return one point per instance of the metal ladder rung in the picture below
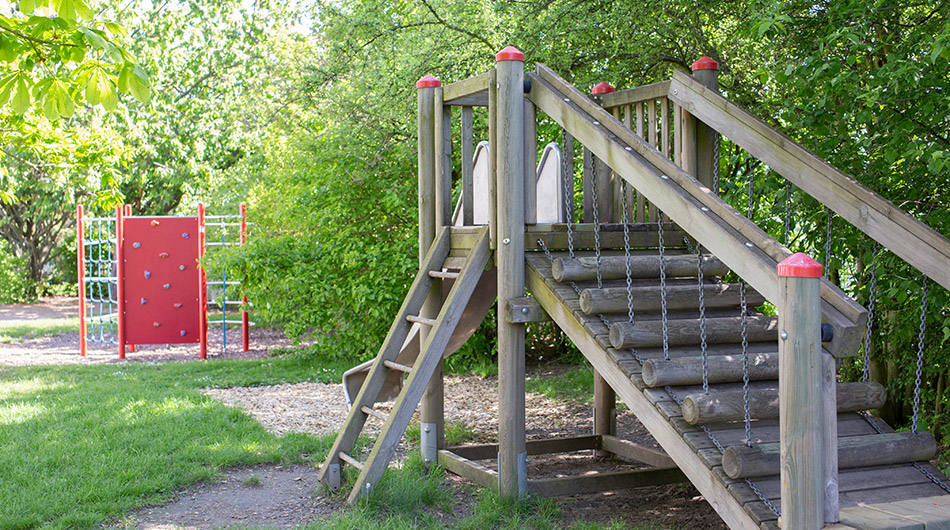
(444, 275)
(396, 366)
(374, 413)
(421, 320)
(350, 460)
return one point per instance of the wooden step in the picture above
(392, 365)
(682, 332)
(614, 300)
(719, 368)
(350, 460)
(444, 275)
(761, 460)
(369, 411)
(716, 407)
(615, 267)
(421, 320)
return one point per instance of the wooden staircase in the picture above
(695, 427)
(441, 329)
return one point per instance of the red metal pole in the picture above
(81, 266)
(202, 287)
(120, 279)
(245, 324)
(128, 213)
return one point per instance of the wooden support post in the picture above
(430, 214)
(442, 143)
(829, 399)
(468, 152)
(530, 163)
(512, 455)
(605, 400)
(493, 159)
(801, 410)
(706, 71)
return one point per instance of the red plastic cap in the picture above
(510, 53)
(602, 88)
(799, 265)
(427, 81)
(705, 63)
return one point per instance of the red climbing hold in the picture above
(157, 324)
(163, 255)
(155, 222)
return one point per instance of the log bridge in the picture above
(658, 285)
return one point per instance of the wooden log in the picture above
(720, 368)
(761, 460)
(615, 267)
(614, 299)
(682, 332)
(728, 406)
(510, 164)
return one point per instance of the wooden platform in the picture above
(893, 496)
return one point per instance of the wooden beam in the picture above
(631, 96)
(465, 468)
(472, 86)
(567, 444)
(524, 309)
(468, 153)
(611, 236)
(598, 482)
(916, 243)
(634, 451)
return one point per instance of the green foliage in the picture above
(15, 285)
(575, 384)
(117, 437)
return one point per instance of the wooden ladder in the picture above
(419, 373)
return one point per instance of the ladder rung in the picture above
(396, 366)
(421, 320)
(374, 413)
(444, 275)
(350, 460)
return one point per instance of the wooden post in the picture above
(801, 410)
(431, 213)
(510, 160)
(492, 159)
(468, 153)
(605, 400)
(442, 143)
(706, 71)
(829, 418)
(530, 163)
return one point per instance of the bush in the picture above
(14, 277)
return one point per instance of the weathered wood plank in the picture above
(634, 95)
(552, 487)
(468, 166)
(465, 468)
(671, 441)
(912, 240)
(633, 451)
(465, 88)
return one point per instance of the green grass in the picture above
(576, 384)
(42, 327)
(81, 445)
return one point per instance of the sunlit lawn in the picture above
(43, 327)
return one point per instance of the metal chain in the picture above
(593, 197)
(932, 477)
(788, 209)
(716, 165)
(689, 245)
(626, 249)
(666, 332)
(702, 318)
(828, 243)
(872, 291)
(746, 406)
(920, 355)
(712, 437)
(749, 212)
(569, 202)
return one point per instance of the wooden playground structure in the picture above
(657, 286)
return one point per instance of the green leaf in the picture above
(93, 38)
(117, 29)
(21, 97)
(110, 98)
(27, 6)
(96, 87)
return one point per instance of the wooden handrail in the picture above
(635, 95)
(742, 245)
(472, 92)
(911, 240)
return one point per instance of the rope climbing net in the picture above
(100, 279)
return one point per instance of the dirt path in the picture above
(281, 497)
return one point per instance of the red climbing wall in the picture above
(161, 279)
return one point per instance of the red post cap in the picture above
(510, 53)
(427, 81)
(602, 88)
(705, 63)
(799, 265)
